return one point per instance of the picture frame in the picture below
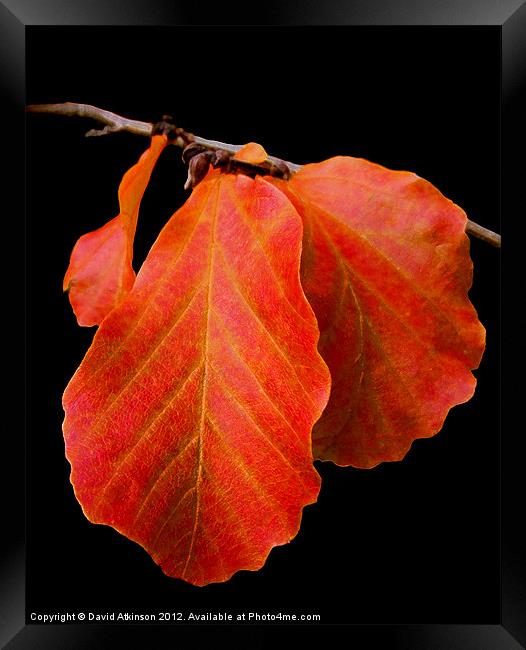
(506, 631)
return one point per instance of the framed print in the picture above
(417, 552)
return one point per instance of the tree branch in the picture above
(485, 234)
(115, 123)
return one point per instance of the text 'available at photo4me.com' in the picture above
(185, 617)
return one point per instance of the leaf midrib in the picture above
(206, 362)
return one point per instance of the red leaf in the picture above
(100, 271)
(188, 424)
(386, 268)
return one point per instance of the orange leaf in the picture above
(251, 153)
(386, 268)
(188, 424)
(100, 271)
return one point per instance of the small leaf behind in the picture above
(100, 271)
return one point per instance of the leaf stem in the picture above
(115, 123)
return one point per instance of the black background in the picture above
(408, 542)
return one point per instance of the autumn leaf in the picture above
(188, 424)
(386, 268)
(100, 272)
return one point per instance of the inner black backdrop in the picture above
(414, 541)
